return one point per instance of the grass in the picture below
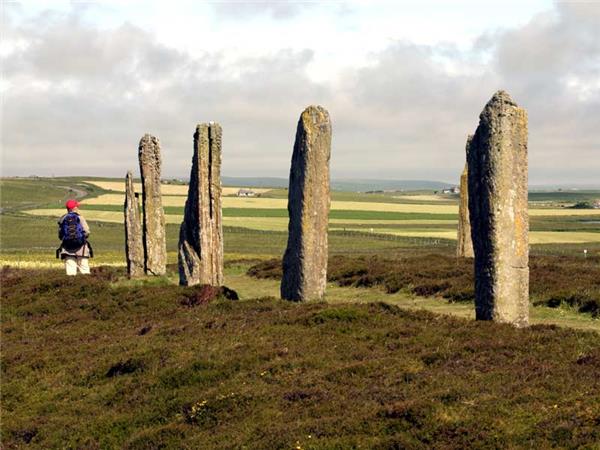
(347, 292)
(144, 370)
(381, 214)
(33, 239)
(19, 194)
(564, 197)
(566, 281)
(421, 229)
(114, 213)
(106, 362)
(338, 214)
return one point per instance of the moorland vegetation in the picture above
(107, 362)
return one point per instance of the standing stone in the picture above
(305, 259)
(201, 233)
(155, 243)
(464, 245)
(497, 160)
(134, 247)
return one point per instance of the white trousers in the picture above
(74, 264)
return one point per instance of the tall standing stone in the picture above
(497, 160)
(155, 243)
(201, 233)
(134, 247)
(305, 259)
(464, 244)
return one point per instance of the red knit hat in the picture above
(71, 204)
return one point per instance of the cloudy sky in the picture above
(404, 83)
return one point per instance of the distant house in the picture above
(596, 204)
(453, 190)
(246, 193)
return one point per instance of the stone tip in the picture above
(315, 114)
(501, 97)
(212, 123)
(147, 137)
(315, 108)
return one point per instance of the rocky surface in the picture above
(497, 161)
(464, 245)
(155, 243)
(201, 234)
(305, 259)
(134, 247)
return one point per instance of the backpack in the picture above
(71, 232)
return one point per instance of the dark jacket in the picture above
(84, 251)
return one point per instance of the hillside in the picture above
(102, 362)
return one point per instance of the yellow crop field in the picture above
(104, 199)
(230, 190)
(424, 198)
(564, 212)
(562, 237)
(375, 222)
(167, 189)
(14, 262)
(119, 199)
(280, 203)
(424, 233)
(395, 207)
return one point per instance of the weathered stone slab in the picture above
(305, 259)
(497, 161)
(464, 244)
(201, 233)
(155, 242)
(134, 247)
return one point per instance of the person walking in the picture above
(75, 249)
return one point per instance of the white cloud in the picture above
(78, 95)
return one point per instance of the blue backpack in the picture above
(71, 232)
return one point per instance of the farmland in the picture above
(387, 217)
(386, 224)
(394, 215)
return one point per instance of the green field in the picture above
(396, 215)
(397, 223)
